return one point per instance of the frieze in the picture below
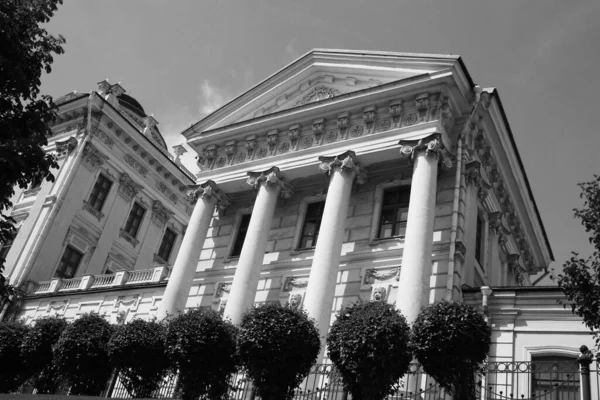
(272, 139)
(396, 110)
(103, 136)
(317, 94)
(164, 189)
(250, 146)
(317, 128)
(369, 113)
(65, 147)
(294, 135)
(230, 149)
(291, 282)
(422, 105)
(138, 166)
(343, 121)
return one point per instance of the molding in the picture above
(92, 157)
(160, 214)
(96, 213)
(65, 147)
(128, 189)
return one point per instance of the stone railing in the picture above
(121, 278)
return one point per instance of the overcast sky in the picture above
(182, 59)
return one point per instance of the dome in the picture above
(131, 104)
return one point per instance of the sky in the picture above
(183, 59)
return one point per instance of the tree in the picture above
(580, 277)
(201, 347)
(12, 368)
(81, 354)
(451, 341)
(36, 351)
(137, 349)
(27, 52)
(369, 345)
(277, 346)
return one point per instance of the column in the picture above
(270, 186)
(413, 288)
(206, 196)
(323, 273)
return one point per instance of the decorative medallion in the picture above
(330, 136)
(221, 162)
(356, 131)
(410, 119)
(317, 94)
(284, 147)
(241, 156)
(379, 293)
(383, 126)
(306, 142)
(262, 152)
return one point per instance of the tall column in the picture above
(206, 196)
(323, 273)
(413, 288)
(247, 273)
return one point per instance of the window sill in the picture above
(376, 241)
(303, 250)
(96, 213)
(125, 235)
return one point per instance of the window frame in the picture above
(106, 194)
(317, 228)
(139, 222)
(304, 203)
(62, 257)
(237, 219)
(380, 190)
(9, 243)
(172, 244)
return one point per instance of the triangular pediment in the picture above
(321, 75)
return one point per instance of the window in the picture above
(166, 246)
(134, 220)
(311, 226)
(99, 192)
(394, 212)
(241, 236)
(554, 377)
(68, 263)
(5, 247)
(479, 241)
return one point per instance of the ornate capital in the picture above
(431, 145)
(128, 189)
(209, 190)
(369, 113)
(65, 147)
(473, 173)
(92, 157)
(318, 128)
(343, 121)
(271, 177)
(346, 163)
(160, 214)
(396, 109)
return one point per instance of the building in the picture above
(344, 175)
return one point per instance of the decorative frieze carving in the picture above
(230, 148)
(103, 136)
(160, 214)
(268, 178)
(138, 166)
(295, 300)
(65, 147)
(250, 146)
(128, 189)
(346, 163)
(291, 282)
(473, 173)
(396, 110)
(92, 157)
(422, 105)
(209, 190)
(222, 287)
(446, 114)
(164, 189)
(343, 121)
(379, 293)
(272, 140)
(369, 117)
(317, 94)
(372, 275)
(294, 135)
(211, 155)
(318, 127)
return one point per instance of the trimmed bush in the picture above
(13, 372)
(369, 345)
(201, 347)
(81, 354)
(36, 351)
(277, 346)
(451, 341)
(138, 351)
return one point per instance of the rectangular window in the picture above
(311, 226)
(394, 212)
(166, 246)
(479, 241)
(134, 220)
(99, 192)
(241, 236)
(68, 263)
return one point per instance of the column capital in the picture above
(346, 162)
(209, 190)
(432, 146)
(271, 177)
(473, 173)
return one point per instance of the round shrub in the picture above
(201, 347)
(36, 351)
(451, 341)
(277, 347)
(13, 372)
(369, 345)
(81, 354)
(137, 349)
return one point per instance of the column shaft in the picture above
(413, 288)
(182, 276)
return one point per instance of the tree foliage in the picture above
(36, 351)
(27, 52)
(369, 345)
(580, 277)
(12, 368)
(81, 354)
(451, 341)
(137, 349)
(277, 347)
(201, 347)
